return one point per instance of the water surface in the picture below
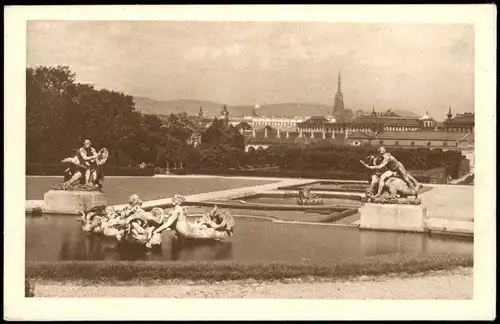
(59, 237)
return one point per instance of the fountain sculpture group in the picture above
(392, 201)
(83, 182)
(132, 224)
(390, 182)
(84, 172)
(306, 197)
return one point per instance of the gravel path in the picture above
(455, 284)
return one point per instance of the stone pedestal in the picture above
(408, 218)
(70, 202)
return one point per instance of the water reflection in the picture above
(60, 238)
(196, 250)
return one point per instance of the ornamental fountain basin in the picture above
(60, 238)
(284, 207)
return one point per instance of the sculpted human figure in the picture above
(375, 175)
(392, 167)
(87, 156)
(178, 222)
(86, 162)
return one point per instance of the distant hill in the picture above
(211, 109)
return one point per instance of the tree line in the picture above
(61, 113)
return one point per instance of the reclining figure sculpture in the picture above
(212, 226)
(306, 197)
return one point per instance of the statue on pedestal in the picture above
(390, 182)
(84, 172)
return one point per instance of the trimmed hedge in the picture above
(58, 169)
(307, 174)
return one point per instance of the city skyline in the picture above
(417, 67)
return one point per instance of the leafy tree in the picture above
(61, 113)
(218, 133)
(221, 156)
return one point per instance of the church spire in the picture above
(339, 86)
(449, 115)
(338, 104)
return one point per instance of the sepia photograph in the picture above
(268, 159)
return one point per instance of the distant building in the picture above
(461, 123)
(428, 123)
(282, 123)
(442, 140)
(359, 112)
(268, 135)
(381, 123)
(370, 124)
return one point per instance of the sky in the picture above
(417, 67)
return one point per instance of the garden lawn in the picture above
(137, 272)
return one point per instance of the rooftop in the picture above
(316, 120)
(437, 136)
(461, 119)
(389, 121)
